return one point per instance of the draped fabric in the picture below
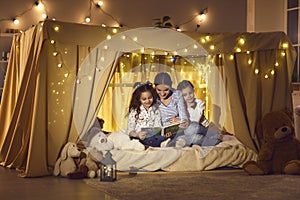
(42, 84)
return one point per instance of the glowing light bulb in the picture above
(256, 71)
(39, 5)
(87, 20)
(114, 30)
(266, 76)
(56, 28)
(238, 49)
(44, 16)
(16, 21)
(242, 41)
(201, 17)
(108, 37)
(231, 57)
(52, 41)
(285, 45)
(272, 72)
(100, 3)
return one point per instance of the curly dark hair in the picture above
(135, 102)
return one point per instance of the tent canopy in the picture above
(59, 73)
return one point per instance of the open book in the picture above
(173, 128)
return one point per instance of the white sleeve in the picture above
(131, 124)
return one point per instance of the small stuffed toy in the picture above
(92, 161)
(280, 154)
(122, 141)
(67, 164)
(115, 140)
(99, 141)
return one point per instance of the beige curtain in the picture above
(36, 113)
(23, 120)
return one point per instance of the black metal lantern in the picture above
(108, 168)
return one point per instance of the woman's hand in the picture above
(174, 120)
(184, 123)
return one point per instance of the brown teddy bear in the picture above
(280, 154)
(92, 162)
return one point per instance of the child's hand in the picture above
(142, 135)
(184, 123)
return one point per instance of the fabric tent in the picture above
(44, 75)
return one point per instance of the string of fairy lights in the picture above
(93, 4)
(206, 41)
(214, 53)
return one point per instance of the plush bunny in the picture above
(65, 164)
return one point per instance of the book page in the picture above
(173, 128)
(152, 130)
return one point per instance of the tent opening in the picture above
(134, 67)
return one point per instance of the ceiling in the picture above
(129, 13)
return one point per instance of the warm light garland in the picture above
(201, 16)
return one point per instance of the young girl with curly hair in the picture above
(144, 113)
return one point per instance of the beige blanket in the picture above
(196, 158)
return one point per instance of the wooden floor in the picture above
(13, 187)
